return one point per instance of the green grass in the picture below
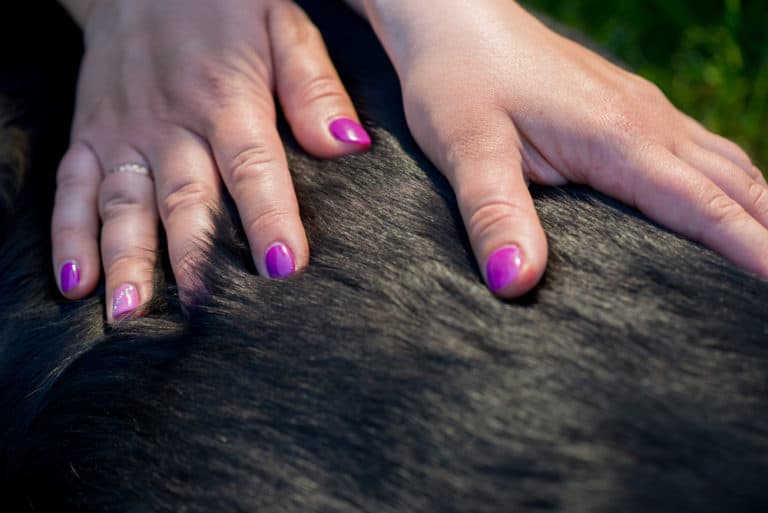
(710, 57)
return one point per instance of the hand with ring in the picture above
(175, 100)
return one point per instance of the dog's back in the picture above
(385, 377)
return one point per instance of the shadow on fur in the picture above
(385, 377)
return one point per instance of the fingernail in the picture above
(349, 131)
(280, 262)
(69, 275)
(124, 301)
(503, 267)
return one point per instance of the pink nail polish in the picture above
(349, 131)
(280, 261)
(124, 301)
(503, 267)
(69, 275)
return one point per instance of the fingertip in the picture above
(76, 277)
(350, 132)
(74, 224)
(279, 261)
(282, 256)
(511, 272)
(124, 303)
(69, 276)
(334, 137)
(315, 101)
(70, 279)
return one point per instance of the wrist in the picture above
(406, 27)
(395, 23)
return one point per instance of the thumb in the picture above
(485, 170)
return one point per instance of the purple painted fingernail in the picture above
(349, 131)
(124, 301)
(503, 267)
(280, 262)
(70, 275)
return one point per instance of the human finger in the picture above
(313, 98)
(747, 189)
(673, 193)
(723, 146)
(75, 224)
(485, 171)
(129, 234)
(250, 157)
(188, 192)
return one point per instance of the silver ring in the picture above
(132, 167)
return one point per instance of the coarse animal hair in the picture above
(385, 377)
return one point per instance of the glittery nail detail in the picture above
(69, 275)
(124, 301)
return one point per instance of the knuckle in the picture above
(224, 86)
(721, 209)
(72, 181)
(69, 177)
(268, 220)
(653, 89)
(78, 168)
(641, 89)
(488, 215)
(627, 135)
(319, 88)
(214, 85)
(114, 202)
(252, 164)
(736, 150)
(741, 157)
(184, 196)
(757, 196)
(128, 257)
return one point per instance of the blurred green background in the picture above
(709, 56)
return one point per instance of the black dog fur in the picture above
(384, 378)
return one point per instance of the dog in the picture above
(385, 377)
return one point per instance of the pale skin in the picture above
(537, 108)
(163, 87)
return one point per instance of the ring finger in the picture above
(128, 211)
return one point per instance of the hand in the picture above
(184, 89)
(495, 99)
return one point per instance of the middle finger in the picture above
(188, 192)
